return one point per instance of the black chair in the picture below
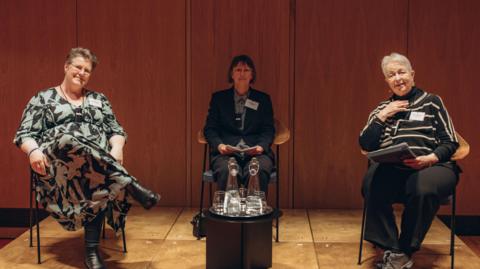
(33, 192)
(461, 153)
(282, 135)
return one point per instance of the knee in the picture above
(66, 139)
(266, 171)
(365, 190)
(422, 191)
(221, 174)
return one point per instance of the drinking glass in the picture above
(232, 202)
(243, 198)
(253, 205)
(263, 197)
(218, 202)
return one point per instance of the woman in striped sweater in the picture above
(421, 120)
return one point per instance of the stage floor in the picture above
(162, 238)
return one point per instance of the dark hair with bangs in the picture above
(245, 59)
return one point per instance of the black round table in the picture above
(239, 242)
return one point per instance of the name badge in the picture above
(251, 104)
(417, 116)
(95, 102)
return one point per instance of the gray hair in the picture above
(84, 53)
(396, 57)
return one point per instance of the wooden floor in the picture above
(161, 238)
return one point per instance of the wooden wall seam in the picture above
(188, 84)
(291, 108)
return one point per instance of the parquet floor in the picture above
(162, 238)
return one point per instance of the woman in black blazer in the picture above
(240, 117)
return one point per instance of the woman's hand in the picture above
(421, 161)
(224, 150)
(38, 162)
(392, 108)
(117, 153)
(117, 142)
(255, 151)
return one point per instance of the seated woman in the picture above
(421, 120)
(75, 144)
(240, 117)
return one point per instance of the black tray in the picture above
(267, 211)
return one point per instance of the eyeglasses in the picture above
(86, 72)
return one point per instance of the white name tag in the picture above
(418, 116)
(251, 104)
(95, 102)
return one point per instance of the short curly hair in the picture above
(84, 53)
(395, 57)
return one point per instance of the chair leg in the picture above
(103, 228)
(202, 190)
(277, 195)
(31, 192)
(362, 232)
(276, 226)
(201, 202)
(452, 228)
(37, 223)
(277, 202)
(210, 191)
(124, 240)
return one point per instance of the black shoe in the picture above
(93, 260)
(145, 197)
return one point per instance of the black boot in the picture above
(93, 260)
(145, 197)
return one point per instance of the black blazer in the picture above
(220, 128)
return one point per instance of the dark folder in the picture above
(392, 154)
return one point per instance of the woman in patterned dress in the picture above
(75, 146)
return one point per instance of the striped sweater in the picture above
(426, 127)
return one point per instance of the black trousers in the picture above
(220, 170)
(419, 190)
(93, 230)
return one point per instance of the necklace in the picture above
(78, 111)
(67, 98)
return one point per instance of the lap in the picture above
(220, 162)
(391, 184)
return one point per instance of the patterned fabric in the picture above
(83, 178)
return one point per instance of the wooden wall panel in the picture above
(444, 42)
(35, 38)
(141, 48)
(223, 29)
(338, 81)
(319, 60)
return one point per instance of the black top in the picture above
(426, 127)
(258, 129)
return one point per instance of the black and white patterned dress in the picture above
(83, 178)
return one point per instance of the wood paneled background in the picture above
(318, 59)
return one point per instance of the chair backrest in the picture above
(463, 150)
(201, 137)
(282, 134)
